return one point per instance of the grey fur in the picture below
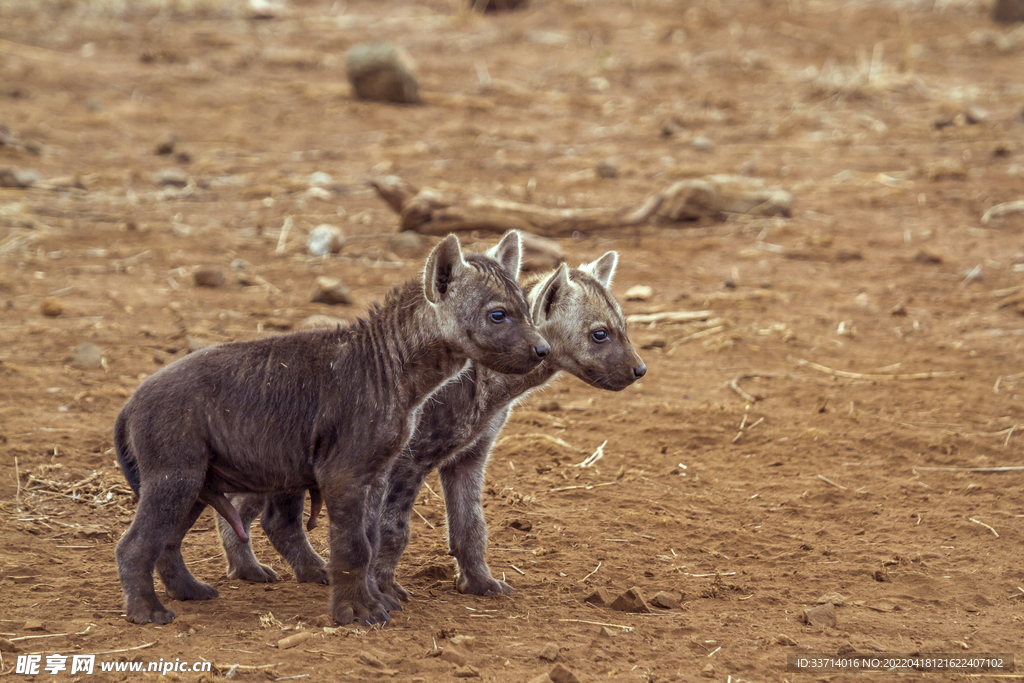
(323, 410)
(459, 425)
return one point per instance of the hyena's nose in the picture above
(639, 371)
(541, 350)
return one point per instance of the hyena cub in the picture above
(319, 409)
(577, 314)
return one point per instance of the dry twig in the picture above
(976, 521)
(628, 629)
(829, 481)
(869, 376)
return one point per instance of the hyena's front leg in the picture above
(463, 481)
(282, 520)
(403, 486)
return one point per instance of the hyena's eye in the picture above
(599, 335)
(496, 316)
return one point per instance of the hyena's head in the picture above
(480, 306)
(577, 314)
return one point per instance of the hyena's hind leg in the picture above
(463, 482)
(242, 562)
(178, 581)
(281, 519)
(161, 513)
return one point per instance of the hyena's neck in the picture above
(404, 346)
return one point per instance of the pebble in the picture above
(325, 239)
(639, 293)
(407, 244)
(927, 257)
(560, 674)
(330, 291)
(783, 639)
(606, 169)
(467, 642)
(549, 652)
(7, 646)
(293, 640)
(208, 276)
(166, 143)
(606, 632)
(173, 176)
(369, 660)
(665, 600)
(87, 356)
(454, 655)
(601, 597)
(630, 601)
(19, 177)
(466, 671)
(52, 307)
(832, 599)
(320, 179)
(382, 72)
(823, 616)
(975, 115)
(701, 143)
(321, 193)
(34, 625)
(521, 525)
(708, 671)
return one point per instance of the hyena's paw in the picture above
(394, 589)
(487, 586)
(146, 614)
(310, 574)
(190, 590)
(366, 612)
(256, 573)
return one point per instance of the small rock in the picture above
(92, 531)
(466, 672)
(330, 291)
(601, 597)
(320, 179)
(540, 253)
(208, 276)
(52, 307)
(783, 639)
(549, 406)
(823, 616)
(665, 600)
(173, 176)
(881, 576)
(606, 169)
(672, 126)
(454, 655)
(639, 293)
(7, 646)
(701, 143)
(265, 9)
(34, 625)
(975, 115)
(560, 674)
(293, 640)
(322, 621)
(832, 599)
(549, 652)
(325, 239)
(166, 143)
(19, 177)
(407, 244)
(521, 524)
(606, 632)
(630, 601)
(369, 660)
(708, 671)
(320, 193)
(87, 356)
(927, 257)
(465, 642)
(382, 72)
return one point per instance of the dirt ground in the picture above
(782, 450)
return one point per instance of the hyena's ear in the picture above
(509, 253)
(548, 293)
(443, 265)
(603, 269)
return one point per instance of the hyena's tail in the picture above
(125, 456)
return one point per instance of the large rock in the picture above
(716, 195)
(382, 72)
